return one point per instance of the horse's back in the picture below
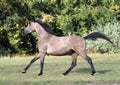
(77, 41)
(68, 40)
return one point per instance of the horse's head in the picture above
(30, 28)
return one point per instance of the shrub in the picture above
(112, 30)
(65, 17)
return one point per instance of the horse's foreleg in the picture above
(32, 61)
(41, 65)
(74, 63)
(91, 64)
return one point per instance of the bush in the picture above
(73, 17)
(112, 30)
(4, 51)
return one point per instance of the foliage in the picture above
(65, 17)
(112, 30)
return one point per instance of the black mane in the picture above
(46, 27)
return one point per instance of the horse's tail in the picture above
(95, 35)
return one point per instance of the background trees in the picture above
(65, 17)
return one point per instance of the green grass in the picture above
(107, 67)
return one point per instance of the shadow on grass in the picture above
(88, 70)
(103, 71)
(82, 70)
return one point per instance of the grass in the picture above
(107, 67)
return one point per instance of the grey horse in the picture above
(55, 45)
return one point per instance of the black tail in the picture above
(95, 35)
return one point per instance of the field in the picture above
(107, 67)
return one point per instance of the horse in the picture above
(48, 43)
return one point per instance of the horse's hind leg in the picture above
(89, 60)
(73, 64)
(91, 64)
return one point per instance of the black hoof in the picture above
(24, 71)
(39, 74)
(64, 74)
(93, 73)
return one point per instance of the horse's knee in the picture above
(73, 64)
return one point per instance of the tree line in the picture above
(64, 17)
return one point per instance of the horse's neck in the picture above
(41, 33)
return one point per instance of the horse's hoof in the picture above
(93, 73)
(24, 71)
(64, 74)
(39, 74)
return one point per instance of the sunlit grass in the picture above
(107, 67)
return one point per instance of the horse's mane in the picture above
(46, 27)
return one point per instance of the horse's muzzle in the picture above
(26, 31)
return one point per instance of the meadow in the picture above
(107, 67)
